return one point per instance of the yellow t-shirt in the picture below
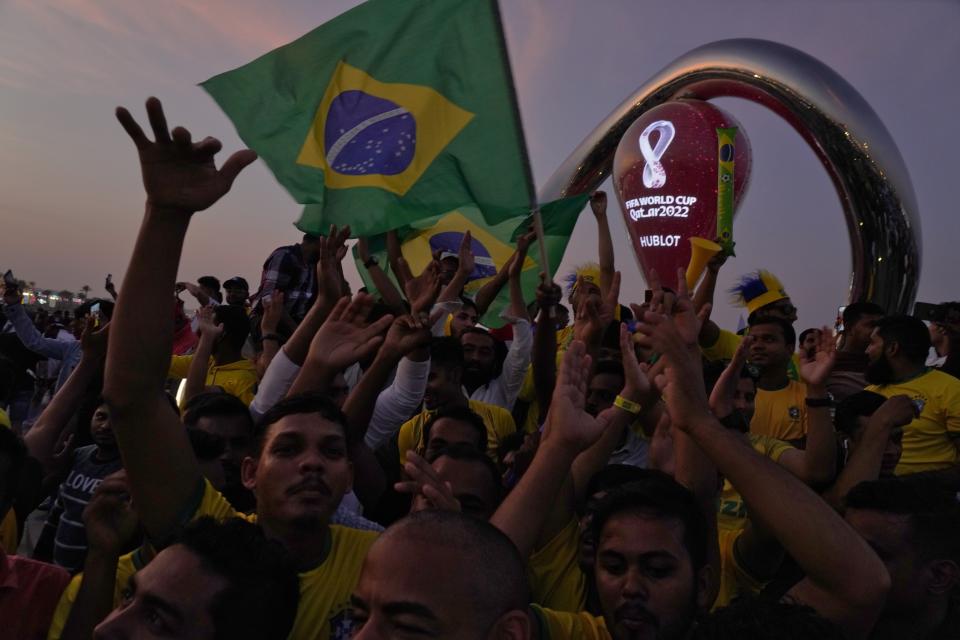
(732, 514)
(8, 533)
(499, 423)
(930, 441)
(781, 414)
(237, 378)
(556, 581)
(563, 625)
(726, 345)
(127, 565)
(324, 590)
(5, 420)
(734, 579)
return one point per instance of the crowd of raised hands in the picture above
(396, 470)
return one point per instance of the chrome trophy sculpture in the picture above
(845, 133)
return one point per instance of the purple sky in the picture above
(71, 201)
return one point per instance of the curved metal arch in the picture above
(843, 130)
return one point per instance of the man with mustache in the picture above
(301, 465)
(897, 353)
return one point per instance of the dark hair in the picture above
(765, 618)
(789, 333)
(499, 348)
(908, 332)
(313, 402)
(614, 475)
(930, 504)
(805, 333)
(263, 590)
(860, 404)
(106, 308)
(446, 353)
(467, 453)
(460, 414)
(853, 312)
(206, 446)
(209, 282)
(469, 302)
(490, 560)
(12, 448)
(212, 404)
(661, 496)
(236, 324)
(310, 238)
(609, 366)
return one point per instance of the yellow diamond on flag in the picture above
(490, 253)
(368, 133)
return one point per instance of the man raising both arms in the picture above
(301, 469)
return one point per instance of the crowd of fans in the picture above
(307, 462)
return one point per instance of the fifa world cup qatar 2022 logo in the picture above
(654, 176)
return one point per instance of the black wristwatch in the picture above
(371, 262)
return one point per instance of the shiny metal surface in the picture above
(864, 163)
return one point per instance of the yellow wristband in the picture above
(627, 405)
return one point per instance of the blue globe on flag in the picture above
(366, 135)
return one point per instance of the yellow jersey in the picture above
(781, 414)
(556, 580)
(734, 578)
(127, 565)
(929, 442)
(5, 420)
(9, 535)
(324, 611)
(564, 625)
(237, 378)
(499, 423)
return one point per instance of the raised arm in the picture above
(465, 264)
(709, 332)
(23, 326)
(180, 179)
(544, 358)
(197, 374)
(398, 265)
(598, 205)
(846, 582)
(388, 292)
(41, 439)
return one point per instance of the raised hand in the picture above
(179, 174)
(598, 203)
(405, 335)
(272, 313)
(549, 294)
(333, 249)
(425, 486)
(567, 422)
(345, 336)
(636, 384)
(816, 370)
(722, 396)
(423, 290)
(207, 326)
(11, 294)
(515, 266)
(465, 255)
(109, 519)
(93, 341)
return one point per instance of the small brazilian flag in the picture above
(492, 246)
(394, 111)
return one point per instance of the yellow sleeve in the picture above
(562, 625)
(951, 408)
(5, 420)
(555, 577)
(179, 366)
(213, 504)
(126, 567)
(242, 385)
(724, 348)
(409, 436)
(774, 448)
(528, 393)
(734, 578)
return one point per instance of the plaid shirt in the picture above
(286, 270)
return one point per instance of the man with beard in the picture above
(445, 391)
(847, 378)
(897, 353)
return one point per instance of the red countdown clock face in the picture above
(665, 178)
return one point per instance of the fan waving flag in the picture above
(492, 246)
(394, 111)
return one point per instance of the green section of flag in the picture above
(498, 241)
(394, 111)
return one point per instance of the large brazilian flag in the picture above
(394, 111)
(492, 246)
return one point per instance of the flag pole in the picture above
(528, 171)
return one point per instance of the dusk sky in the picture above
(70, 192)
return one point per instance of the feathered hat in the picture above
(587, 272)
(757, 290)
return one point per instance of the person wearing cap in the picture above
(237, 291)
(764, 296)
